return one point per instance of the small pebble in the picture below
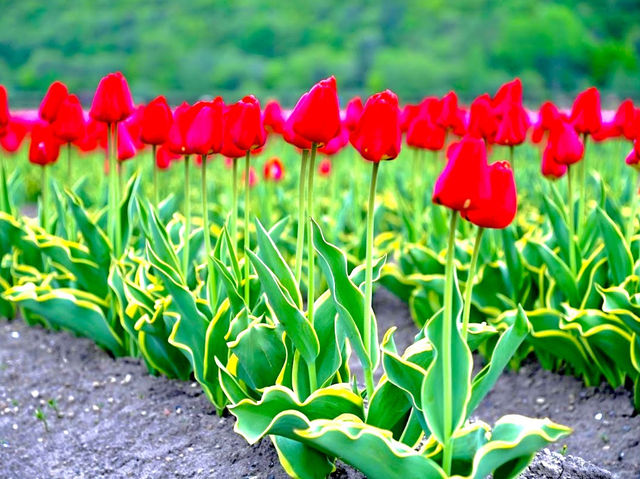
(598, 417)
(15, 334)
(35, 393)
(540, 400)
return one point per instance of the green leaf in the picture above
(93, 235)
(286, 312)
(559, 271)
(620, 259)
(507, 345)
(300, 460)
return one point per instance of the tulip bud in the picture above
(377, 136)
(317, 113)
(566, 144)
(244, 122)
(112, 101)
(353, 112)
(464, 182)
(550, 167)
(126, 147)
(272, 118)
(499, 209)
(52, 101)
(44, 147)
(324, 168)
(156, 122)
(69, 125)
(585, 113)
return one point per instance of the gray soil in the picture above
(112, 420)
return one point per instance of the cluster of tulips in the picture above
(207, 297)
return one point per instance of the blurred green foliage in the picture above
(187, 49)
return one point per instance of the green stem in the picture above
(571, 222)
(212, 287)
(70, 221)
(247, 207)
(512, 159)
(468, 289)
(368, 282)
(234, 206)
(446, 340)
(310, 252)
(634, 210)
(155, 176)
(187, 218)
(417, 193)
(583, 186)
(301, 216)
(69, 171)
(45, 196)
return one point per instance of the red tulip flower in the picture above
(197, 129)
(273, 169)
(112, 101)
(14, 134)
(69, 124)
(566, 144)
(482, 120)
(164, 157)
(253, 178)
(548, 115)
(450, 115)
(407, 115)
(633, 158)
(498, 210)
(156, 122)
(336, 144)
(464, 182)
(4, 107)
(273, 118)
(291, 137)
(507, 94)
(425, 133)
(585, 113)
(626, 120)
(44, 147)
(377, 136)
(317, 113)
(550, 167)
(324, 168)
(243, 123)
(126, 145)
(353, 112)
(512, 129)
(52, 101)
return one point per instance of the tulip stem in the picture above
(368, 281)
(69, 171)
(512, 160)
(72, 229)
(447, 330)
(155, 176)
(634, 210)
(114, 195)
(468, 289)
(583, 191)
(44, 197)
(187, 218)
(234, 206)
(212, 289)
(310, 252)
(571, 222)
(417, 193)
(247, 206)
(301, 216)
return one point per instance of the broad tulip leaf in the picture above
(620, 260)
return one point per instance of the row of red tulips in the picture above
(211, 127)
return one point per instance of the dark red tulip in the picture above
(499, 209)
(377, 136)
(324, 168)
(585, 113)
(482, 121)
(317, 113)
(550, 167)
(512, 129)
(4, 107)
(156, 122)
(353, 112)
(112, 101)
(52, 101)
(69, 125)
(273, 169)
(14, 134)
(273, 118)
(126, 146)
(566, 144)
(44, 147)
(464, 182)
(625, 120)
(243, 124)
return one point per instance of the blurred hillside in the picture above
(187, 49)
